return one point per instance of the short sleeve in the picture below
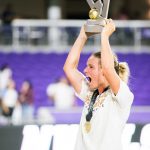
(124, 96)
(50, 89)
(84, 90)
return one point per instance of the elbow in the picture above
(69, 67)
(106, 67)
(107, 70)
(65, 68)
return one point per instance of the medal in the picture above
(87, 126)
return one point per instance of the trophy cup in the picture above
(97, 14)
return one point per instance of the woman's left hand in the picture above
(109, 28)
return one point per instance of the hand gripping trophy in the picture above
(97, 14)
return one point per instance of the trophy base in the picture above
(94, 26)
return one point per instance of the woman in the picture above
(107, 98)
(26, 99)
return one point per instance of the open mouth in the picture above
(89, 79)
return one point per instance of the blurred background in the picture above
(38, 107)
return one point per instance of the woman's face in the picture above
(25, 86)
(93, 72)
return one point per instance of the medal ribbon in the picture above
(93, 99)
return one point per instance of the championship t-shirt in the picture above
(110, 114)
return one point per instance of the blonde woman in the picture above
(104, 90)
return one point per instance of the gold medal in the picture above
(87, 126)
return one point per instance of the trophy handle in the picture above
(98, 5)
(105, 8)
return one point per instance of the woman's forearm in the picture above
(107, 59)
(74, 54)
(106, 52)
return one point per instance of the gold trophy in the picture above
(98, 14)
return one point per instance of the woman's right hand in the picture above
(83, 34)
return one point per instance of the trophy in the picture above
(97, 14)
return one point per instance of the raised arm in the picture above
(71, 64)
(107, 58)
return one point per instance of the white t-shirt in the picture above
(63, 95)
(10, 97)
(108, 119)
(5, 76)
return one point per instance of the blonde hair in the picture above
(122, 68)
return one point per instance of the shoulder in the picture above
(124, 96)
(84, 89)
